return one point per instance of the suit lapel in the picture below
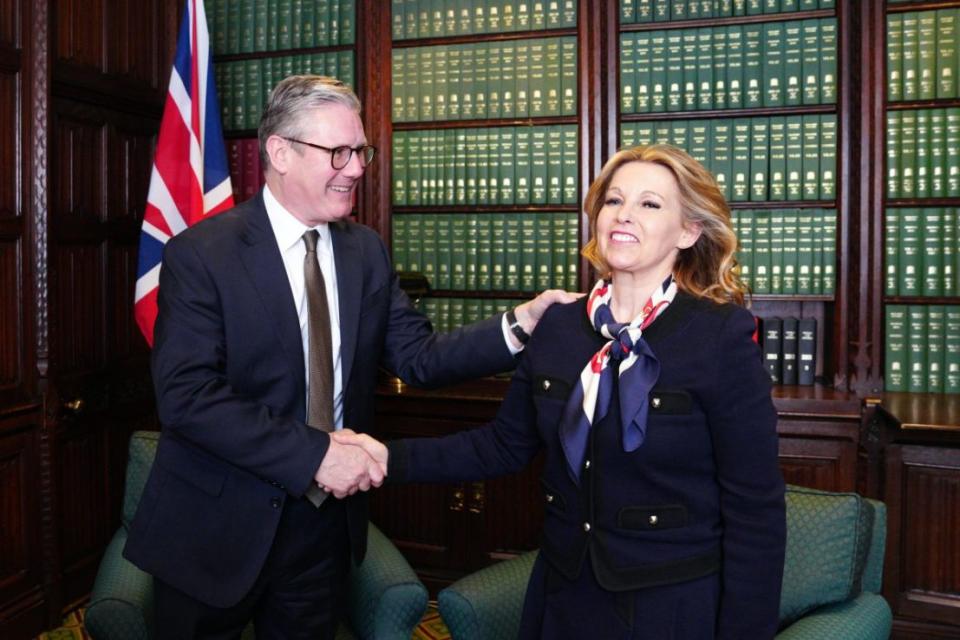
(348, 258)
(261, 258)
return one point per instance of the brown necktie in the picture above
(320, 396)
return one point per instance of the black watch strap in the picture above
(516, 329)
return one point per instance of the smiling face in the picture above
(640, 228)
(305, 182)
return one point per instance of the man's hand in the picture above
(529, 313)
(346, 469)
(374, 448)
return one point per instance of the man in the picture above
(273, 319)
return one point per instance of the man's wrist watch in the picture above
(516, 329)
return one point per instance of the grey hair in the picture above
(291, 98)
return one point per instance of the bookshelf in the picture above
(751, 90)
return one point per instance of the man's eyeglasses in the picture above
(340, 156)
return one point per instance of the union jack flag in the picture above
(190, 179)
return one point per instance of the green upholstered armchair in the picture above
(386, 598)
(831, 580)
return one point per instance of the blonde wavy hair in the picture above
(708, 268)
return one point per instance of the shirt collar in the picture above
(286, 228)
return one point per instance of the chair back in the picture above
(142, 451)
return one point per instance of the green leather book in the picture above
(334, 25)
(472, 253)
(538, 165)
(464, 9)
(806, 351)
(894, 57)
(498, 247)
(953, 152)
(397, 19)
(555, 164)
(493, 18)
(398, 82)
(627, 11)
(658, 71)
(690, 69)
(745, 255)
(511, 245)
(428, 255)
(508, 19)
(522, 165)
(444, 243)
(951, 355)
(917, 337)
(508, 79)
(828, 156)
(296, 24)
(449, 165)
(908, 153)
(893, 154)
(414, 166)
(217, 22)
(891, 249)
(753, 65)
(661, 10)
(628, 73)
(568, 76)
(234, 27)
(778, 158)
(524, 22)
(927, 55)
(895, 348)
(558, 249)
(947, 61)
(909, 258)
(458, 252)
(481, 62)
(507, 165)
(483, 165)
(538, 16)
(774, 64)
(454, 81)
(755, 7)
(936, 343)
(449, 17)
(240, 100)
(721, 164)
(719, 58)
(674, 78)
(484, 232)
(761, 251)
(805, 242)
(284, 25)
(494, 80)
(791, 244)
(735, 79)
(678, 10)
(771, 6)
(950, 253)
(399, 174)
(437, 24)
(828, 60)
(680, 134)
(553, 14)
(704, 68)
(472, 165)
(571, 186)
(544, 247)
(938, 153)
(911, 56)
(247, 39)
(425, 81)
(528, 251)
(573, 251)
(740, 168)
(398, 245)
(552, 83)
(811, 157)
(537, 78)
(460, 168)
(922, 137)
(810, 65)
(522, 96)
(644, 11)
(441, 82)
(457, 313)
(467, 83)
(699, 146)
(759, 158)
(776, 251)
(931, 284)
(253, 76)
(411, 90)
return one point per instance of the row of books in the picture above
(249, 26)
(244, 85)
(489, 251)
(780, 158)
(246, 174)
(770, 64)
(923, 153)
(787, 251)
(498, 79)
(486, 166)
(922, 348)
(438, 18)
(449, 313)
(789, 349)
(922, 61)
(633, 11)
(920, 247)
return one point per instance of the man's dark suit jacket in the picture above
(703, 493)
(229, 376)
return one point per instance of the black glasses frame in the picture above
(365, 152)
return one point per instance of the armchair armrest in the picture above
(487, 605)
(386, 599)
(866, 617)
(121, 605)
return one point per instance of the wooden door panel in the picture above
(19, 508)
(11, 329)
(11, 175)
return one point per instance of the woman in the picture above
(664, 500)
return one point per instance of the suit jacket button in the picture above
(653, 520)
(549, 497)
(586, 527)
(655, 402)
(546, 385)
(586, 465)
(275, 503)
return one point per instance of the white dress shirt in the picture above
(288, 232)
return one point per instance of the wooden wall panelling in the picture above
(22, 597)
(10, 24)
(922, 576)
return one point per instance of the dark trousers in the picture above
(300, 592)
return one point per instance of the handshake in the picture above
(354, 461)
